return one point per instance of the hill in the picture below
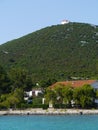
(60, 52)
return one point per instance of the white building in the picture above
(43, 100)
(64, 21)
(34, 92)
(37, 92)
(29, 94)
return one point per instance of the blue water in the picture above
(43, 122)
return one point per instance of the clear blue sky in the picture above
(20, 17)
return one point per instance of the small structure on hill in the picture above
(65, 21)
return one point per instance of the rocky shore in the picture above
(49, 111)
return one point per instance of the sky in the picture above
(21, 17)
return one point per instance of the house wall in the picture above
(38, 92)
(95, 85)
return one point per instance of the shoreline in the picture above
(50, 111)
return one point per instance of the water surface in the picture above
(44, 122)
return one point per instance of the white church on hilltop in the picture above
(65, 21)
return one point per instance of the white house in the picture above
(34, 92)
(29, 94)
(65, 21)
(79, 83)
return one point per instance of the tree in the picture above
(50, 96)
(12, 100)
(20, 79)
(4, 82)
(97, 94)
(19, 94)
(59, 93)
(84, 96)
(77, 95)
(47, 83)
(67, 95)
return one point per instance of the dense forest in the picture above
(58, 52)
(14, 84)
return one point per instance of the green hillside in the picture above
(59, 52)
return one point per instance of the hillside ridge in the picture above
(58, 51)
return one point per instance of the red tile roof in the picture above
(74, 84)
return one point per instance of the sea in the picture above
(49, 122)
